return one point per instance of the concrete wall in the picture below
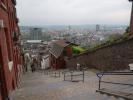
(113, 57)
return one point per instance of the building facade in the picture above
(10, 55)
(97, 28)
(57, 54)
(131, 22)
(36, 34)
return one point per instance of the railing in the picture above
(55, 73)
(46, 72)
(100, 75)
(73, 74)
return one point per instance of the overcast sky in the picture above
(69, 12)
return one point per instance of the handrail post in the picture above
(71, 76)
(64, 76)
(100, 78)
(59, 73)
(83, 75)
(99, 83)
(44, 72)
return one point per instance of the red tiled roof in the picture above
(58, 47)
(62, 43)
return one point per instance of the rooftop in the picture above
(58, 47)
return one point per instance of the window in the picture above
(8, 44)
(3, 4)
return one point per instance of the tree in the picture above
(127, 29)
(114, 37)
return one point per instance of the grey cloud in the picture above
(42, 12)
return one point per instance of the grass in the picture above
(78, 50)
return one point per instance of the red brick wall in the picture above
(3, 90)
(10, 51)
(57, 63)
(131, 24)
(68, 51)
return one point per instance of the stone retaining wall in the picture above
(113, 57)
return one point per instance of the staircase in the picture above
(37, 86)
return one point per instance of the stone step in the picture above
(95, 96)
(127, 96)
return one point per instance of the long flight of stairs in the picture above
(38, 86)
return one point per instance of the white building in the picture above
(45, 62)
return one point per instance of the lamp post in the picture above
(131, 22)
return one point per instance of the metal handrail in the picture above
(101, 74)
(55, 73)
(115, 73)
(71, 75)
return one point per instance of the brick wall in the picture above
(8, 49)
(113, 57)
(131, 23)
